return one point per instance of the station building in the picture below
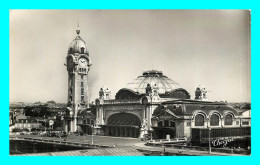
(157, 105)
(152, 104)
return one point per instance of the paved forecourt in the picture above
(98, 140)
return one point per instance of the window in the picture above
(214, 120)
(82, 84)
(172, 124)
(71, 50)
(245, 122)
(82, 77)
(199, 120)
(82, 50)
(82, 98)
(166, 123)
(82, 91)
(228, 120)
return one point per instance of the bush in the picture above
(26, 129)
(20, 130)
(17, 130)
(35, 129)
(58, 129)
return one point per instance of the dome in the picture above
(156, 79)
(78, 45)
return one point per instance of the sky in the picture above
(192, 47)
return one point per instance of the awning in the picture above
(132, 126)
(164, 128)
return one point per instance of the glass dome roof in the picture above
(155, 79)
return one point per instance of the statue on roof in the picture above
(104, 93)
(201, 93)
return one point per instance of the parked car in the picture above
(34, 133)
(146, 137)
(46, 134)
(53, 134)
(42, 133)
(79, 133)
(62, 135)
(24, 133)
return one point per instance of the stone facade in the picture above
(137, 100)
(191, 114)
(78, 64)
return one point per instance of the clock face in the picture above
(83, 62)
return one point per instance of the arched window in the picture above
(214, 120)
(228, 119)
(82, 50)
(199, 120)
(71, 49)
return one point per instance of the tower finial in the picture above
(78, 30)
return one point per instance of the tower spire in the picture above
(78, 30)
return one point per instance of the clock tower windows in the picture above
(82, 50)
(82, 91)
(71, 49)
(82, 99)
(82, 70)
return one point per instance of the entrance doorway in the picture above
(162, 132)
(122, 125)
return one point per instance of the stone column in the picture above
(34, 148)
(125, 131)
(134, 132)
(71, 126)
(130, 132)
(65, 125)
(120, 132)
(222, 121)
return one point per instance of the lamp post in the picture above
(92, 141)
(209, 142)
(45, 124)
(151, 97)
(85, 127)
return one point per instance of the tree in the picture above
(28, 111)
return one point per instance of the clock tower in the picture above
(78, 64)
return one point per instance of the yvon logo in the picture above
(223, 142)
